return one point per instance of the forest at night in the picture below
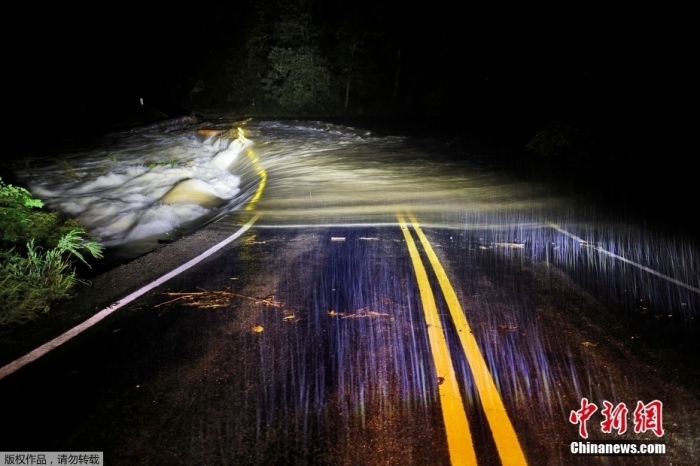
(602, 94)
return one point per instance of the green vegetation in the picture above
(171, 162)
(37, 249)
(68, 169)
(288, 60)
(574, 144)
(299, 79)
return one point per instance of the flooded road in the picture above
(394, 301)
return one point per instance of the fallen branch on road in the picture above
(214, 299)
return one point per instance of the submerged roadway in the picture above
(256, 341)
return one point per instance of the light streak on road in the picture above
(623, 259)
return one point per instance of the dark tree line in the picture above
(355, 56)
(525, 63)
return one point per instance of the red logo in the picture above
(581, 416)
(646, 417)
(614, 418)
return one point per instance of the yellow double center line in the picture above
(263, 179)
(459, 439)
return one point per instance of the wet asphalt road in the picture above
(310, 346)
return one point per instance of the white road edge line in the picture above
(46, 347)
(612, 254)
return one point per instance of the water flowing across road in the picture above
(140, 187)
(143, 188)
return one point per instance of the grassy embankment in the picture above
(37, 251)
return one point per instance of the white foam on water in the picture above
(140, 185)
(224, 159)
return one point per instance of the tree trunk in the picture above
(398, 70)
(347, 94)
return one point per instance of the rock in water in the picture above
(192, 192)
(224, 159)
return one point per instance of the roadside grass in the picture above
(68, 169)
(171, 162)
(37, 253)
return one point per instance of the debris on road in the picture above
(201, 299)
(364, 312)
(510, 245)
(214, 299)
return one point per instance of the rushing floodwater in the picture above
(136, 188)
(139, 189)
